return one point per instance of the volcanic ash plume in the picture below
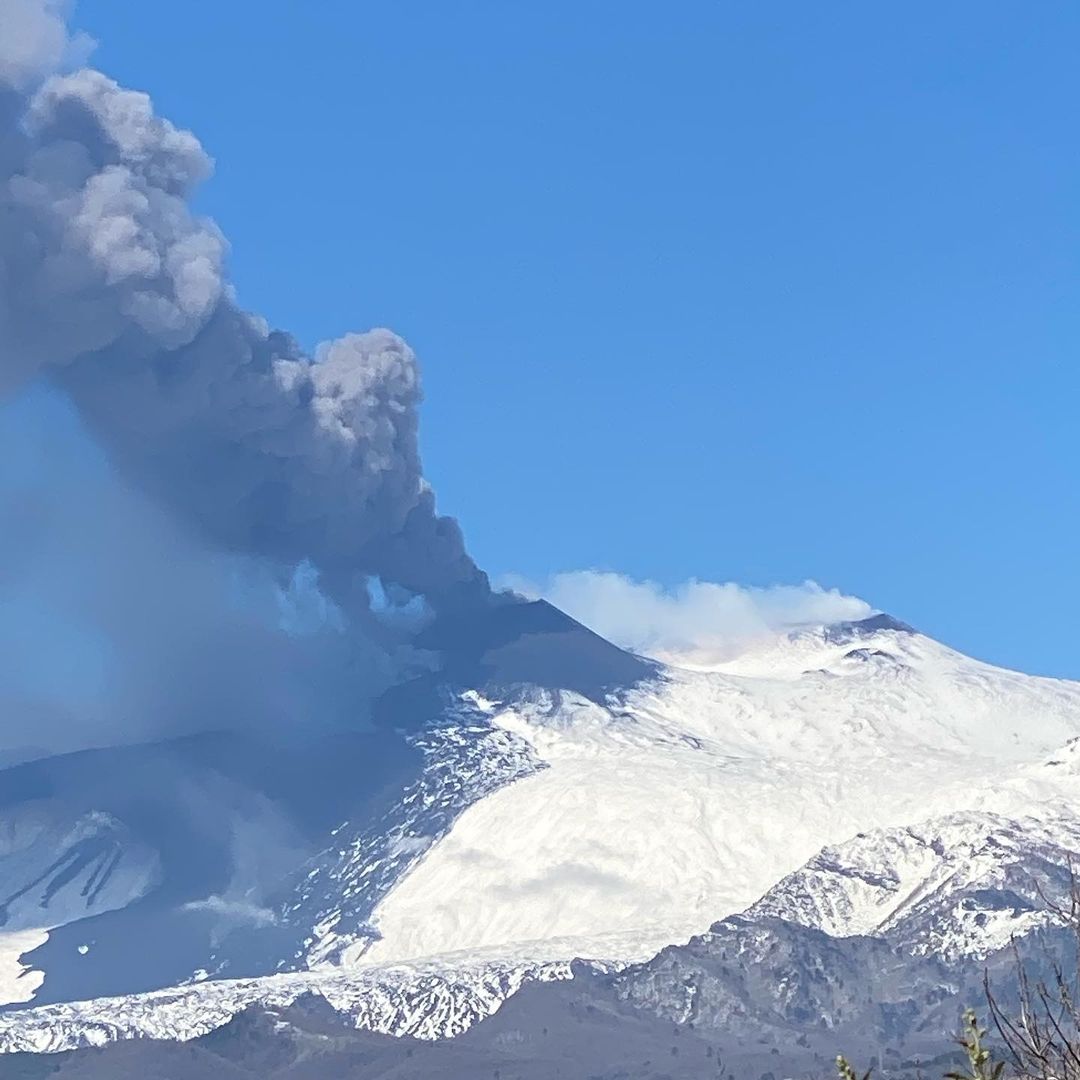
(112, 289)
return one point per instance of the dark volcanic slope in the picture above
(507, 644)
(183, 799)
(536, 644)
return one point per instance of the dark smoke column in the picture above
(114, 290)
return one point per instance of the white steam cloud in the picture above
(695, 619)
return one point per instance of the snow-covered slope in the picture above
(542, 822)
(686, 799)
(963, 885)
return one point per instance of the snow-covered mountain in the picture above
(548, 798)
(686, 797)
(959, 886)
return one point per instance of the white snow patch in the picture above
(18, 981)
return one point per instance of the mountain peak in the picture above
(512, 642)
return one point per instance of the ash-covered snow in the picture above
(55, 871)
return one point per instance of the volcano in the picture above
(540, 799)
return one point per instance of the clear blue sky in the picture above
(743, 291)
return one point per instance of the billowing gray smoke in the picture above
(111, 288)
